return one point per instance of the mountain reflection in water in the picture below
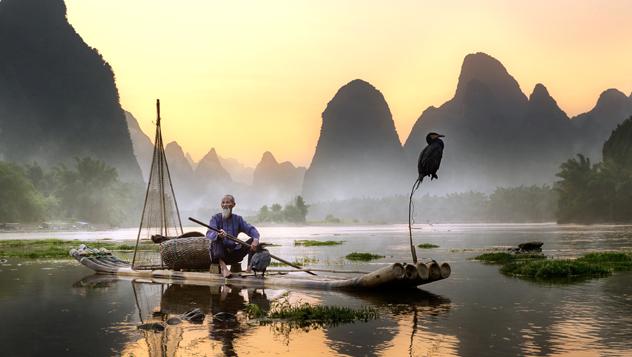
(227, 330)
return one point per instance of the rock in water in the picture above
(224, 316)
(174, 321)
(529, 247)
(152, 326)
(195, 316)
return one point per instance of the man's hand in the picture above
(222, 233)
(253, 246)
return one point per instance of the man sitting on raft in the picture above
(224, 251)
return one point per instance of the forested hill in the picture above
(58, 98)
(602, 192)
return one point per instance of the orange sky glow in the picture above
(248, 76)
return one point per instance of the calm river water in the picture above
(61, 308)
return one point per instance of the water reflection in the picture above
(477, 312)
(493, 316)
(227, 330)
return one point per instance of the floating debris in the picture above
(174, 321)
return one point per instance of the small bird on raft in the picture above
(430, 157)
(260, 260)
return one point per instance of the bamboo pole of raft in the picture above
(234, 239)
(381, 276)
(434, 271)
(422, 271)
(445, 270)
(410, 271)
(319, 270)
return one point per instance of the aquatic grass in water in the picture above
(365, 257)
(254, 311)
(537, 267)
(58, 248)
(617, 261)
(298, 261)
(504, 257)
(306, 315)
(555, 269)
(495, 258)
(317, 243)
(427, 246)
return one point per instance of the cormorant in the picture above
(430, 157)
(428, 164)
(260, 260)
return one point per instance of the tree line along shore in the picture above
(91, 191)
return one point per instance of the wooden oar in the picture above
(230, 237)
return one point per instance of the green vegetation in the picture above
(19, 200)
(536, 266)
(317, 243)
(306, 315)
(330, 218)
(427, 246)
(293, 212)
(298, 261)
(554, 269)
(58, 249)
(599, 193)
(90, 191)
(364, 257)
(254, 311)
(504, 257)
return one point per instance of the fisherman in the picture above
(222, 250)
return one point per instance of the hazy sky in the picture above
(250, 76)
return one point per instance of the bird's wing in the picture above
(423, 156)
(430, 159)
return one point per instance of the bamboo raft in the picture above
(394, 275)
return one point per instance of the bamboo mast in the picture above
(149, 181)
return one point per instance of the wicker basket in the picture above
(186, 253)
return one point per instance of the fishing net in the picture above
(160, 212)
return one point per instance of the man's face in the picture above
(227, 203)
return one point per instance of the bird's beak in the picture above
(441, 136)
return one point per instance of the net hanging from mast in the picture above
(160, 211)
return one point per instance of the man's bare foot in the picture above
(225, 272)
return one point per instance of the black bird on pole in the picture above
(428, 164)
